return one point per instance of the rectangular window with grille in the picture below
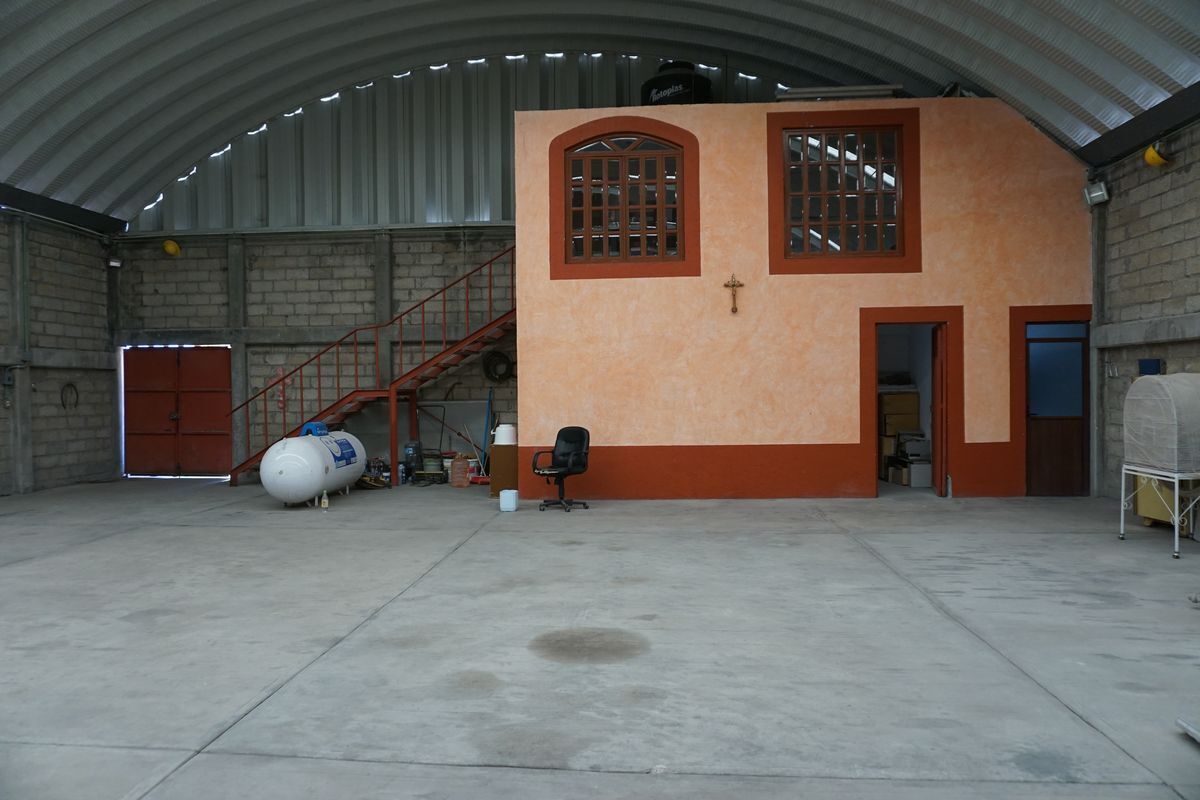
(844, 191)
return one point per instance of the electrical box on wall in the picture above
(1151, 366)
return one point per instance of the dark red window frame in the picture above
(907, 255)
(562, 149)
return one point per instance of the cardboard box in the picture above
(504, 468)
(1156, 500)
(898, 475)
(894, 423)
(887, 445)
(899, 403)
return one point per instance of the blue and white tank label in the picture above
(343, 452)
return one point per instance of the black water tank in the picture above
(676, 83)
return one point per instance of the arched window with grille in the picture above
(625, 193)
(628, 201)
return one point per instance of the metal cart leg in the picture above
(1124, 505)
(1176, 518)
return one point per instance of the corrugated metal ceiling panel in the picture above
(102, 102)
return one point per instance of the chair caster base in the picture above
(565, 505)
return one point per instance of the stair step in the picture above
(451, 355)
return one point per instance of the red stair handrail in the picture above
(341, 394)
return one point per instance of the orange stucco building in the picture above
(685, 399)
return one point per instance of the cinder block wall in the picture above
(6, 222)
(278, 298)
(74, 426)
(304, 283)
(58, 413)
(6, 391)
(68, 301)
(189, 290)
(1148, 268)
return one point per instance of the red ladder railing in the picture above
(350, 372)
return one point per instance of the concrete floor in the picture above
(173, 640)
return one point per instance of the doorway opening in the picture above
(175, 402)
(910, 384)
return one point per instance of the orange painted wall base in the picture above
(761, 472)
(713, 471)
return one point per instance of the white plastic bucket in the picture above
(508, 499)
(505, 434)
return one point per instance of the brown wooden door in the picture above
(1056, 431)
(938, 416)
(151, 403)
(177, 403)
(205, 397)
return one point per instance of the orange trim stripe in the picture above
(710, 471)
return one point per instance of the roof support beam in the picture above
(58, 211)
(1171, 114)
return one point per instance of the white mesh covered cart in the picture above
(1162, 442)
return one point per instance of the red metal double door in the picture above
(177, 403)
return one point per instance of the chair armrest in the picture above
(575, 456)
(539, 453)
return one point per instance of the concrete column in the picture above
(1096, 356)
(113, 306)
(113, 280)
(383, 300)
(235, 261)
(241, 390)
(236, 266)
(20, 288)
(21, 433)
(22, 430)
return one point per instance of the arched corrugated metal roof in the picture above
(432, 145)
(102, 102)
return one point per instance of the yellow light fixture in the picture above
(171, 247)
(1157, 154)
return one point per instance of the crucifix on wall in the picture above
(733, 284)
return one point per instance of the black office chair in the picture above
(569, 457)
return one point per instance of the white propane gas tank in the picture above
(300, 468)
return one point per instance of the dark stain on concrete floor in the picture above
(1046, 765)
(589, 645)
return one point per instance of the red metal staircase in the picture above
(416, 346)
